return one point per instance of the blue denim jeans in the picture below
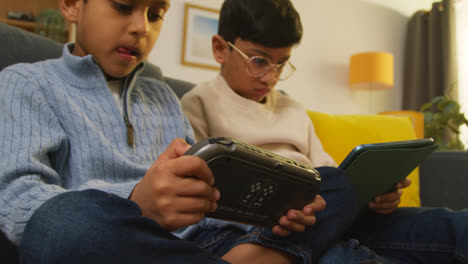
(409, 235)
(95, 227)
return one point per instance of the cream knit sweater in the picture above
(280, 125)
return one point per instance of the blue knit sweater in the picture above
(61, 130)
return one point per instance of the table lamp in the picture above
(371, 71)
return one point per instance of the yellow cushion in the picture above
(416, 117)
(339, 134)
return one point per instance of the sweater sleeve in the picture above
(33, 154)
(194, 109)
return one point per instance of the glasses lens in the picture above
(258, 65)
(286, 71)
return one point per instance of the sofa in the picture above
(440, 180)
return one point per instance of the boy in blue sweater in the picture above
(91, 159)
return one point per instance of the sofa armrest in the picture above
(9, 252)
(443, 180)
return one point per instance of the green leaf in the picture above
(426, 106)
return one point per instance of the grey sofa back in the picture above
(22, 46)
(18, 45)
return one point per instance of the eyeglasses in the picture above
(258, 66)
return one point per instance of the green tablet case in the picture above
(374, 169)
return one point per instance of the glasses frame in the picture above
(278, 67)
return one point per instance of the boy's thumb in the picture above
(176, 149)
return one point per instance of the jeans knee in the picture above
(337, 185)
(67, 211)
(338, 192)
(68, 223)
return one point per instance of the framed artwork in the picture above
(200, 24)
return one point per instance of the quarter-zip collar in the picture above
(128, 86)
(77, 72)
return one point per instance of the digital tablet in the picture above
(375, 169)
(257, 187)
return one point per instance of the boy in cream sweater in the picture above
(253, 46)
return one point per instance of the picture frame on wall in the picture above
(200, 24)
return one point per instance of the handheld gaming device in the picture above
(257, 187)
(375, 168)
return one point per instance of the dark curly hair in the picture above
(272, 23)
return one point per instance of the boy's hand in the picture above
(297, 220)
(388, 202)
(168, 196)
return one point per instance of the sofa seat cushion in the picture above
(339, 134)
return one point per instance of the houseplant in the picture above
(442, 121)
(51, 24)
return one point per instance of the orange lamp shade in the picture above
(371, 71)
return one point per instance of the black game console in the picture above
(257, 187)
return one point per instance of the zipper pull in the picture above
(129, 132)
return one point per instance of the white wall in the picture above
(333, 31)
(167, 52)
(405, 7)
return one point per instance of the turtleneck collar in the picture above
(84, 72)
